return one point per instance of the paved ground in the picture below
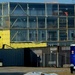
(22, 70)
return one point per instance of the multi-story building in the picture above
(51, 23)
(45, 22)
(24, 24)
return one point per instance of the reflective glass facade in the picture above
(44, 22)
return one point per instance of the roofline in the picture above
(40, 2)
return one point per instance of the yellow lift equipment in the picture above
(5, 42)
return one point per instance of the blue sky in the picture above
(60, 1)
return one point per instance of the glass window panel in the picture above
(52, 43)
(66, 10)
(41, 22)
(71, 35)
(24, 8)
(6, 23)
(62, 22)
(63, 35)
(0, 9)
(18, 35)
(34, 9)
(52, 9)
(1, 22)
(64, 44)
(32, 35)
(5, 9)
(52, 22)
(52, 35)
(18, 22)
(41, 35)
(60, 43)
(18, 9)
(70, 22)
(32, 22)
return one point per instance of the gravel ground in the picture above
(59, 71)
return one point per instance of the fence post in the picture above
(43, 59)
(57, 59)
(58, 48)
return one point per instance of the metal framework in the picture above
(52, 23)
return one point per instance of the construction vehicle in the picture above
(5, 42)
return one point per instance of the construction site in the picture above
(34, 36)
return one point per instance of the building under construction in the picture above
(45, 29)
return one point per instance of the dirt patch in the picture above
(59, 71)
